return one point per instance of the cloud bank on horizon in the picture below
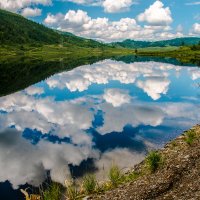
(113, 20)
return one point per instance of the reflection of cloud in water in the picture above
(181, 115)
(70, 120)
(21, 162)
(155, 75)
(153, 114)
(195, 73)
(154, 86)
(82, 77)
(32, 90)
(124, 158)
(126, 139)
(134, 114)
(64, 118)
(116, 97)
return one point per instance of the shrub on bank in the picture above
(89, 183)
(72, 192)
(189, 137)
(114, 175)
(153, 161)
(53, 192)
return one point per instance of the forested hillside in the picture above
(15, 29)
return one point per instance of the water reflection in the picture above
(81, 78)
(94, 115)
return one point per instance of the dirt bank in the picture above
(178, 178)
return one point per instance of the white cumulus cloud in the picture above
(109, 6)
(31, 12)
(101, 28)
(24, 7)
(113, 6)
(77, 18)
(87, 2)
(156, 15)
(195, 29)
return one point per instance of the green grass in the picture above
(189, 137)
(173, 143)
(114, 175)
(156, 49)
(49, 52)
(53, 192)
(153, 161)
(72, 192)
(89, 183)
(130, 177)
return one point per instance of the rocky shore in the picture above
(177, 179)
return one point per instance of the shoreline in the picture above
(56, 52)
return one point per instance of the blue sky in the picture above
(114, 20)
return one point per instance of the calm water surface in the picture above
(95, 115)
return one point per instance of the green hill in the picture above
(15, 29)
(165, 43)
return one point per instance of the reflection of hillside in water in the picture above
(34, 70)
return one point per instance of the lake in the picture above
(84, 120)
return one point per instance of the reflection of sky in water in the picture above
(103, 113)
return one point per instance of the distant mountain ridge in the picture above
(164, 43)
